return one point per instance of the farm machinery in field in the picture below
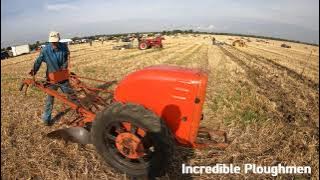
(239, 43)
(135, 124)
(142, 43)
(285, 46)
(149, 43)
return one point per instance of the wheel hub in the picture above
(129, 145)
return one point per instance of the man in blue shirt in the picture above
(55, 55)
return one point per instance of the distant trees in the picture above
(35, 45)
(76, 38)
(189, 31)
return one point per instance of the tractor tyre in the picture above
(133, 140)
(143, 46)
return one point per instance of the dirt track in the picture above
(258, 94)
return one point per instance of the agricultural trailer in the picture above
(135, 124)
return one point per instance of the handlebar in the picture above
(21, 86)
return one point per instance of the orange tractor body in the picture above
(174, 94)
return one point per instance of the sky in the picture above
(28, 21)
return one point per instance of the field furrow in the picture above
(281, 90)
(294, 74)
(308, 61)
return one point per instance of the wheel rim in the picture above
(143, 46)
(128, 143)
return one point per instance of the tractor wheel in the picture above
(143, 46)
(133, 140)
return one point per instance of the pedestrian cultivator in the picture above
(135, 124)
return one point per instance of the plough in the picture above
(136, 125)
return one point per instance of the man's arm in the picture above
(37, 64)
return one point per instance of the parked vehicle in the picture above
(4, 55)
(67, 41)
(22, 49)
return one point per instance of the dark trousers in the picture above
(65, 88)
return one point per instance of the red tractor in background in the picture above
(148, 43)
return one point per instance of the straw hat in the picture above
(54, 36)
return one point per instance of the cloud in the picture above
(211, 27)
(204, 27)
(60, 7)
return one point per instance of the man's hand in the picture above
(32, 73)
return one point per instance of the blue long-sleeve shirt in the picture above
(55, 59)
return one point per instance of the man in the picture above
(55, 55)
(213, 41)
(135, 42)
(102, 40)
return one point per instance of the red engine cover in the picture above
(175, 94)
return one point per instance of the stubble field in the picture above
(265, 97)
